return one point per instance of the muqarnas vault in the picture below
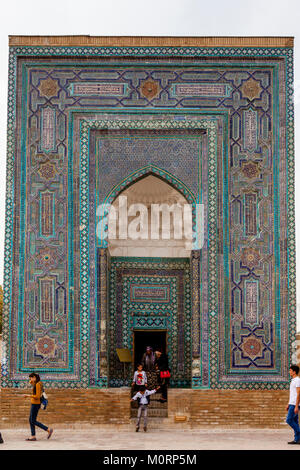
(201, 120)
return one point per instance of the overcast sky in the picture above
(150, 18)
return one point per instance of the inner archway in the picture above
(148, 202)
(149, 278)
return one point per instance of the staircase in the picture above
(156, 409)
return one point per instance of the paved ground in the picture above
(94, 438)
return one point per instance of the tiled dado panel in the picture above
(242, 98)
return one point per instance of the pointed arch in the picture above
(148, 170)
(136, 176)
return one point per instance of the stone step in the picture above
(155, 409)
(152, 404)
(152, 413)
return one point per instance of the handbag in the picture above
(165, 374)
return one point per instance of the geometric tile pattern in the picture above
(173, 131)
(243, 280)
(127, 313)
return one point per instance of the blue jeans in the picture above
(292, 420)
(32, 419)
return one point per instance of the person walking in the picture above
(143, 400)
(35, 398)
(293, 404)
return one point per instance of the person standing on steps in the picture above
(143, 400)
(292, 408)
(148, 361)
(35, 398)
(163, 373)
(139, 378)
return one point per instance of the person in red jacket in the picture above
(35, 399)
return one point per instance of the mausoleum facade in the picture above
(206, 122)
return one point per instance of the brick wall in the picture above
(234, 408)
(67, 407)
(186, 408)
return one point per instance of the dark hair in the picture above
(295, 368)
(33, 374)
(139, 364)
(142, 388)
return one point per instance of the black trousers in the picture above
(32, 419)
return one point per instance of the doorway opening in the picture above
(142, 339)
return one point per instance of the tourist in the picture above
(37, 391)
(143, 400)
(163, 373)
(293, 405)
(139, 378)
(161, 359)
(148, 361)
(1, 439)
(159, 381)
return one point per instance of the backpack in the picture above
(44, 400)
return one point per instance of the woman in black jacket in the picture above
(162, 365)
